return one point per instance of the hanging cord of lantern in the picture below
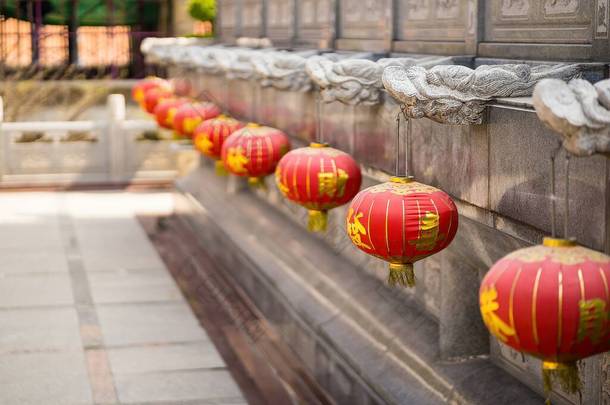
(403, 111)
(554, 197)
(400, 273)
(565, 373)
(319, 129)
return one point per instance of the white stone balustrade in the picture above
(111, 149)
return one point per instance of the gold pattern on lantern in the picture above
(204, 144)
(331, 184)
(403, 188)
(280, 184)
(428, 232)
(355, 229)
(190, 124)
(592, 318)
(236, 160)
(171, 113)
(330, 152)
(489, 306)
(563, 255)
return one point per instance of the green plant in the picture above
(202, 10)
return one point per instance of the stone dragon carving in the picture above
(357, 81)
(283, 70)
(458, 95)
(170, 50)
(237, 63)
(578, 111)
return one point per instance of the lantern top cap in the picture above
(557, 242)
(318, 145)
(253, 125)
(402, 180)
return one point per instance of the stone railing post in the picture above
(115, 136)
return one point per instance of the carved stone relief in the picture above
(418, 9)
(419, 20)
(515, 8)
(578, 111)
(458, 95)
(539, 21)
(357, 81)
(557, 7)
(448, 9)
(355, 11)
(601, 19)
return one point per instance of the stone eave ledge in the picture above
(458, 95)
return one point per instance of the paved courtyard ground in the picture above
(88, 311)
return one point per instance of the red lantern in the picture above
(254, 151)
(550, 301)
(209, 136)
(165, 111)
(319, 178)
(402, 221)
(138, 91)
(154, 96)
(190, 115)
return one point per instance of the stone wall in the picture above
(524, 29)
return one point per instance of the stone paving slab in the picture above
(133, 286)
(146, 359)
(130, 324)
(30, 259)
(88, 312)
(32, 289)
(40, 329)
(206, 385)
(44, 378)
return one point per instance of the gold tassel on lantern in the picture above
(317, 221)
(221, 170)
(256, 182)
(401, 274)
(565, 373)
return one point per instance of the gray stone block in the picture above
(453, 158)
(519, 170)
(295, 114)
(375, 137)
(462, 332)
(338, 126)
(241, 97)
